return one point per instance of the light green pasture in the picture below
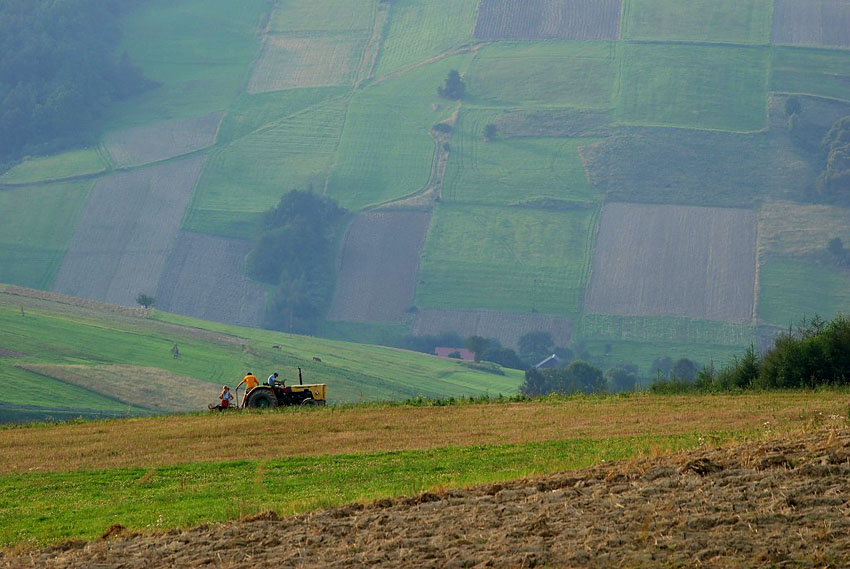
(323, 16)
(531, 74)
(250, 174)
(674, 330)
(727, 21)
(506, 171)
(790, 290)
(386, 152)
(56, 167)
(201, 51)
(644, 353)
(705, 87)
(503, 258)
(36, 225)
(420, 29)
(825, 73)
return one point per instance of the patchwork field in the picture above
(249, 175)
(790, 290)
(290, 62)
(722, 21)
(506, 259)
(521, 74)
(69, 164)
(156, 142)
(201, 51)
(793, 229)
(392, 118)
(204, 278)
(322, 16)
(704, 87)
(661, 329)
(507, 327)
(676, 261)
(825, 73)
(36, 225)
(506, 171)
(548, 19)
(378, 268)
(812, 22)
(421, 29)
(123, 236)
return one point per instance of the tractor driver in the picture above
(272, 380)
(250, 381)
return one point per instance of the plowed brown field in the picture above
(781, 503)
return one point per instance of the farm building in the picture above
(551, 361)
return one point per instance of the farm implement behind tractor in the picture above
(282, 395)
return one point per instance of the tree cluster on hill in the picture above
(577, 377)
(834, 181)
(454, 87)
(59, 71)
(296, 251)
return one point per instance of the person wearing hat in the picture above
(250, 381)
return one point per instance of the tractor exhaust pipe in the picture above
(300, 380)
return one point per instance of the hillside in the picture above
(62, 357)
(649, 187)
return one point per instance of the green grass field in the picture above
(505, 171)
(512, 259)
(726, 21)
(386, 152)
(59, 334)
(36, 225)
(704, 87)
(84, 504)
(323, 16)
(791, 290)
(420, 29)
(543, 74)
(69, 164)
(249, 175)
(825, 73)
(199, 50)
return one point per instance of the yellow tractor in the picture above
(280, 394)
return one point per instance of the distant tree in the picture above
(684, 369)
(661, 366)
(454, 87)
(455, 355)
(620, 379)
(490, 131)
(144, 300)
(793, 106)
(442, 127)
(834, 180)
(534, 346)
(835, 247)
(478, 345)
(505, 357)
(535, 383)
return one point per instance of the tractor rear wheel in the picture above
(261, 399)
(309, 402)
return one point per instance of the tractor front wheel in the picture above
(309, 402)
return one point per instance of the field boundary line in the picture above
(470, 47)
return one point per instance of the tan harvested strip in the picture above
(222, 436)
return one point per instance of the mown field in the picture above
(810, 288)
(725, 21)
(63, 331)
(193, 469)
(69, 164)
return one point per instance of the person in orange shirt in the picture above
(250, 382)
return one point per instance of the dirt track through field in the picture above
(781, 503)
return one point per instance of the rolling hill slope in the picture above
(591, 106)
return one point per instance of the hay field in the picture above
(420, 29)
(703, 87)
(36, 225)
(793, 229)
(506, 259)
(825, 73)
(161, 141)
(322, 16)
(204, 278)
(506, 171)
(531, 74)
(249, 175)
(140, 387)
(676, 261)
(201, 52)
(723, 21)
(318, 61)
(121, 242)
(386, 152)
(548, 20)
(378, 267)
(791, 289)
(507, 327)
(69, 164)
(812, 22)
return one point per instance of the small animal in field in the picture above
(317, 359)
